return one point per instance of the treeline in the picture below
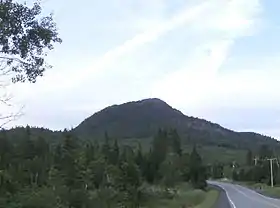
(256, 168)
(74, 174)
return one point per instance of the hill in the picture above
(142, 119)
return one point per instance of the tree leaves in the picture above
(25, 39)
(77, 175)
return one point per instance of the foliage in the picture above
(142, 119)
(79, 174)
(258, 171)
(25, 38)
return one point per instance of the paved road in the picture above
(241, 197)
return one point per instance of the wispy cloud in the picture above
(185, 52)
(200, 78)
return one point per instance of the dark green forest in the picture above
(78, 174)
(141, 120)
(255, 169)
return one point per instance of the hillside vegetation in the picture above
(137, 122)
(78, 174)
(142, 119)
(139, 154)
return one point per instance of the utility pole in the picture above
(233, 165)
(256, 160)
(271, 169)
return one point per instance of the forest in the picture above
(76, 174)
(256, 168)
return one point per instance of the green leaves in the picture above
(77, 175)
(25, 39)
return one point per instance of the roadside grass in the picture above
(210, 199)
(272, 192)
(263, 189)
(186, 197)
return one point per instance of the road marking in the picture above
(255, 198)
(231, 202)
(255, 192)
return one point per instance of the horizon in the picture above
(216, 60)
(73, 127)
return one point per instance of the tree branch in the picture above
(14, 59)
(9, 118)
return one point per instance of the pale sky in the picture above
(214, 59)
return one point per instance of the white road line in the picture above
(265, 197)
(231, 202)
(255, 198)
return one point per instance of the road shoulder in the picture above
(223, 201)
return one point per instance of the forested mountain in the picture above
(142, 119)
(73, 168)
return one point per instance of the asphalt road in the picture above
(235, 196)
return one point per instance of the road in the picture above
(235, 196)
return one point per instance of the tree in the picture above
(106, 148)
(185, 166)
(265, 152)
(114, 155)
(170, 171)
(197, 170)
(25, 38)
(139, 159)
(218, 170)
(176, 142)
(249, 158)
(160, 147)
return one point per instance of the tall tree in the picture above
(197, 170)
(265, 152)
(106, 148)
(176, 142)
(160, 147)
(115, 152)
(249, 158)
(26, 36)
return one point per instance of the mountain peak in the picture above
(140, 118)
(155, 101)
(143, 118)
(152, 100)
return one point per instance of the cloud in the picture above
(185, 52)
(199, 78)
(152, 34)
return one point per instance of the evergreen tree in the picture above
(265, 152)
(176, 142)
(249, 158)
(106, 148)
(114, 156)
(197, 170)
(160, 147)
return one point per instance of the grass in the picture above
(210, 199)
(261, 188)
(187, 197)
(265, 189)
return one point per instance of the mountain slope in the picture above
(142, 119)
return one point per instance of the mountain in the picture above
(142, 119)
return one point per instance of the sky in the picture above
(213, 59)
